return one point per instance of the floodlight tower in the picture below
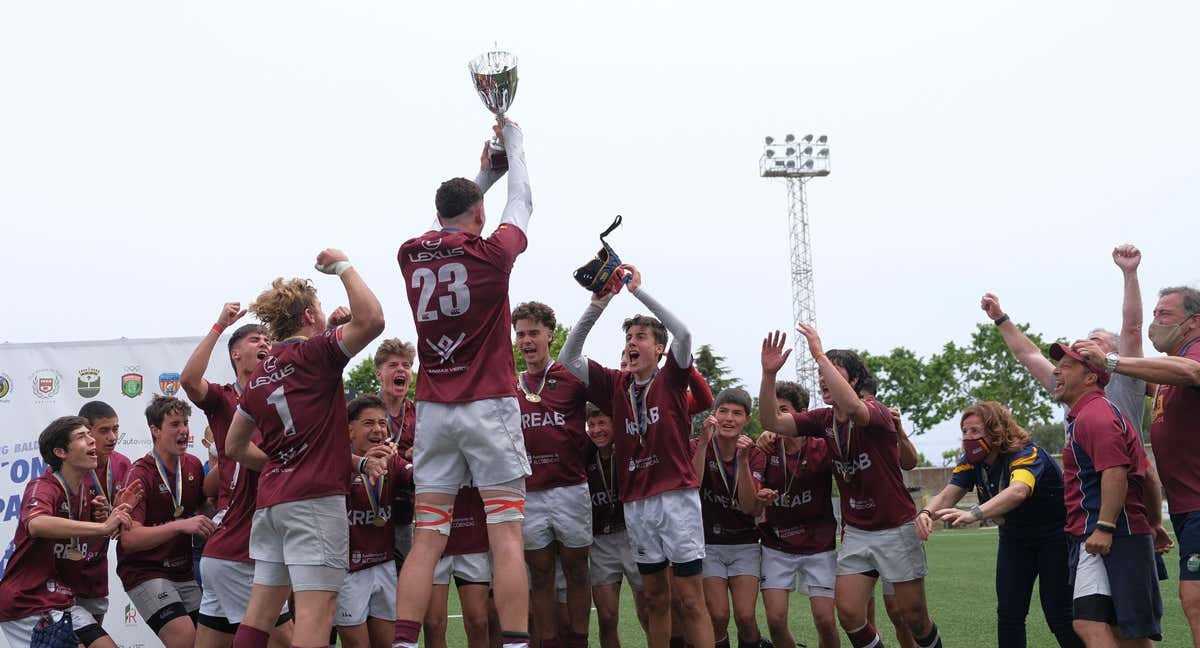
(797, 162)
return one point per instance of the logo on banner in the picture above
(5, 386)
(131, 382)
(168, 383)
(46, 383)
(89, 383)
(130, 615)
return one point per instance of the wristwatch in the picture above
(977, 512)
(1110, 361)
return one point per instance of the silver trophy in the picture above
(495, 78)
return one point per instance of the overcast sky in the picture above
(160, 158)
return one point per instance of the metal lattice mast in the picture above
(797, 161)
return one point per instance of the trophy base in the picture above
(497, 157)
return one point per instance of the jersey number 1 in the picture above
(451, 305)
(278, 400)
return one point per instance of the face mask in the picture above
(976, 450)
(1166, 338)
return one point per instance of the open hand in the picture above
(774, 353)
(1162, 540)
(1092, 354)
(956, 517)
(812, 338)
(130, 495)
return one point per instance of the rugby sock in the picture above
(723, 642)
(865, 637)
(406, 635)
(514, 639)
(576, 640)
(932, 640)
(248, 637)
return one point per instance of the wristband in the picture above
(218, 329)
(1000, 320)
(926, 512)
(978, 513)
(1104, 529)
(1107, 526)
(336, 268)
(362, 465)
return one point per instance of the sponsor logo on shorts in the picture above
(1193, 563)
(46, 383)
(5, 386)
(88, 383)
(131, 617)
(168, 383)
(131, 382)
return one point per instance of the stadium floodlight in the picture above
(796, 164)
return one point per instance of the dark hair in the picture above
(592, 410)
(537, 312)
(241, 332)
(455, 197)
(58, 435)
(793, 393)
(1190, 296)
(355, 408)
(93, 410)
(161, 406)
(852, 363)
(734, 396)
(869, 385)
(660, 331)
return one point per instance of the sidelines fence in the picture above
(39, 382)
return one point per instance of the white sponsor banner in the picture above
(40, 382)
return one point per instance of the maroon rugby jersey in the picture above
(662, 460)
(93, 573)
(1099, 437)
(800, 518)
(724, 521)
(468, 530)
(402, 429)
(295, 397)
(231, 540)
(458, 290)
(219, 404)
(868, 474)
(371, 545)
(555, 436)
(172, 559)
(37, 576)
(1174, 422)
(608, 514)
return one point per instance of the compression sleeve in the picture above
(519, 207)
(487, 178)
(571, 355)
(681, 345)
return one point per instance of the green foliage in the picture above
(922, 461)
(1050, 436)
(361, 378)
(950, 456)
(712, 367)
(560, 336)
(931, 391)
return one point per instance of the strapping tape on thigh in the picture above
(504, 509)
(433, 517)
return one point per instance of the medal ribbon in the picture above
(374, 494)
(177, 493)
(67, 489)
(541, 385)
(637, 401)
(606, 481)
(788, 479)
(721, 467)
(107, 488)
(396, 434)
(843, 448)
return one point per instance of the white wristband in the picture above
(336, 268)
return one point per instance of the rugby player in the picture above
(393, 369)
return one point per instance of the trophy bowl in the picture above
(494, 75)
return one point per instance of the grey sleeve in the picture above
(487, 178)
(571, 355)
(519, 207)
(681, 345)
(1129, 395)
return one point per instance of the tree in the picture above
(361, 378)
(950, 456)
(556, 344)
(922, 461)
(930, 391)
(712, 367)
(1050, 436)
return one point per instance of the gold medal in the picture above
(532, 397)
(178, 511)
(379, 522)
(73, 554)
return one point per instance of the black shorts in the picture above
(1119, 589)
(1187, 534)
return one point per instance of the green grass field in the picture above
(962, 600)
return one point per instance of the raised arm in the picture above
(1022, 348)
(191, 378)
(908, 452)
(519, 207)
(1128, 258)
(747, 489)
(707, 430)
(1163, 370)
(366, 314)
(487, 175)
(681, 337)
(571, 355)
(774, 355)
(844, 396)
